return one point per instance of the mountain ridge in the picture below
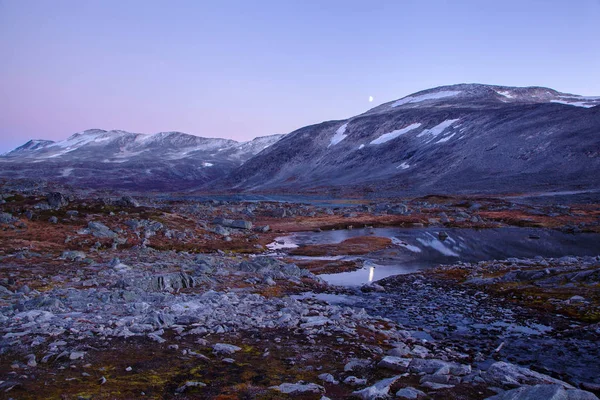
(457, 138)
(463, 138)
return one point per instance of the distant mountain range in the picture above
(466, 138)
(123, 160)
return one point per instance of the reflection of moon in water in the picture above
(370, 99)
(371, 273)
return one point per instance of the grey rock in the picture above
(379, 390)
(400, 350)
(99, 230)
(56, 200)
(171, 282)
(127, 201)
(436, 386)
(504, 374)
(73, 255)
(356, 364)
(544, 392)
(228, 349)
(299, 388)
(432, 366)
(7, 218)
(354, 381)
(230, 223)
(328, 378)
(398, 364)
(76, 355)
(189, 384)
(410, 393)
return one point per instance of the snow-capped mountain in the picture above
(119, 159)
(466, 138)
(461, 138)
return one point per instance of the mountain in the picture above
(466, 138)
(123, 160)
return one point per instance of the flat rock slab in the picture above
(544, 392)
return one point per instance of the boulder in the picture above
(228, 349)
(231, 223)
(410, 393)
(7, 218)
(504, 374)
(435, 366)
(380, 390)
(127, 201)
(544, 392)
(299, 388)
(99, 230)
(56, 200)
(398, 364)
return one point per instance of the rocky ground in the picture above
(105, 296)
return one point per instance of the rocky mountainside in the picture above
(117, 159)
(466, 138)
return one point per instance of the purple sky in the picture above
(241, 69)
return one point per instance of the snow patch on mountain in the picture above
(386, 137)
(427, 96)
(438, 129)
(505, 93)
(446, 138)
(404, 165)
(580, 101)
(340, 135)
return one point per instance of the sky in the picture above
(242, 69)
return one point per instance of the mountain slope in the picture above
(117, 159)
(453, 139)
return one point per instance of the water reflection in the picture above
(416, 249)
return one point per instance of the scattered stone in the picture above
(299, 388)
(354, 381)
(188, 385)
(544, 392)
(379, 390)
(410, 393)
(56, 200)
(76, 355)
(230, 223)
(436, 386)
(328, 378)
(31, 362)
(99, 230)
(228, 349)
(435, 366)
(73, 255)
(356, 364)
(504, 374)
(398, 364)
(7, 218)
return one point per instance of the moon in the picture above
(370, 99)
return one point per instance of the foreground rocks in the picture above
(144, 298)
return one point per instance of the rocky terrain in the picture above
(111, 296)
